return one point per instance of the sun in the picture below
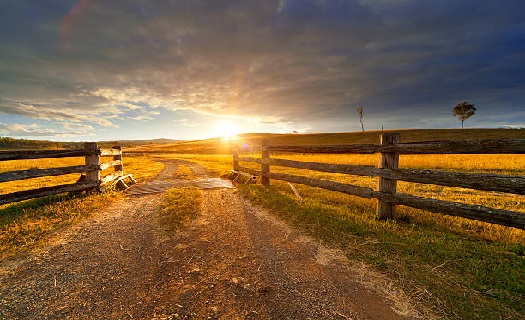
(227, 130)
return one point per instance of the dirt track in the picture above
(236, 261)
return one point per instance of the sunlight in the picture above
(226, 130)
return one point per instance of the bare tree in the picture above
(464, 110)
(360, 112)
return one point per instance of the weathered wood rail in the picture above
(91, 169)
(388, 174)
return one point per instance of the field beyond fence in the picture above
(90, 170)
(388, 173)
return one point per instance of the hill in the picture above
(253, 140)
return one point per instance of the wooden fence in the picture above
(388, 174)
(92, 168)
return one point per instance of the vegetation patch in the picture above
(463, 275)
(184, 172)
(179, 206)
(30, 224)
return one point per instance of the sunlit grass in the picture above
(179, 206)
(184, 172)
(30, 224)
(461, 268)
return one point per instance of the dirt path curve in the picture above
(234, 262)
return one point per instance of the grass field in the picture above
(460, 268)
(29, 225)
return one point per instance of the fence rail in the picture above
(388, 174)
(92, 168)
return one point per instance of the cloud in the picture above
(37, 130)
(295, 63)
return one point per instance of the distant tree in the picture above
(360, 112)
(463, 111)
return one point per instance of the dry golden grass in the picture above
(461, 268)
(29, 224)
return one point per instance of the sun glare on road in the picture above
(227, 130)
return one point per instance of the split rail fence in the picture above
(91, 170)
(388, 174)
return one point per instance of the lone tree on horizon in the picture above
(360, 112)
(464, 110)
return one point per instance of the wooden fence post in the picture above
(387, 160)
(235, 153)
(119, 169)
(92, 162)
(265, 165)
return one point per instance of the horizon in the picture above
(243, 134)
(182, 70)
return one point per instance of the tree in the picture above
(360, 112)
(464, 110)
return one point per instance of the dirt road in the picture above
(236, 261)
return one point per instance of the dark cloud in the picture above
(306, 63)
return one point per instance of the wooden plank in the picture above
(335, 149)
(326, 167)
(325, 184)
(254, 160)
(46, 191)
(104, 166)
(35, 173)
(110, 152)
(110, 177)
(477, 181)
(92, 160)
(40, 154)
(492, 146)
(474, 212)
(250, 171)
(387, 160)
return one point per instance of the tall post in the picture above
(387, 160)
(119, 169)
(92, 159)
(235, 153)
(265, 165)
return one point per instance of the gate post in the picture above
(387, 160)
(92, 159)
(235, 154)
(119, 169)
(265, 165)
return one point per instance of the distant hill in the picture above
(7, 143)
(253, 140)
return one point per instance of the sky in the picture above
(193, 69)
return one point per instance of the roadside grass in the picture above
(29, 225)
(462, 269)
(179, 206)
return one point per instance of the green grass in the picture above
(460, 274)
(179, 206)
